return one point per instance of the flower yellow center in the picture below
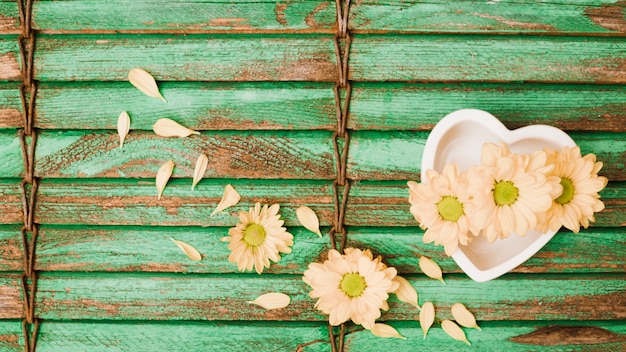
(353, 285)
(254, 235)
(450, 208)
(505, 193)
(568, 192)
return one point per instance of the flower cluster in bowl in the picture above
(508, 193)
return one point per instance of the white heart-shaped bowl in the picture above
(458, 138)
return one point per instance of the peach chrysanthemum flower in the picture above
(351, 286)
(441, 205)
(579, 200)
(510, 191)
(258, 238)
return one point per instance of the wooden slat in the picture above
(391, 106)
(133, 202)
(502, 336)
(151, 250)
(60, 336)
(397, 155)
(286, 155)
(191, 58)
(487, 58)
(11, 160)
(189, 16)
(9, 58)
(11, 336)
(565, 253)
(198, 105)
(9, 17)
(386, 204)
(11, 296)
(527, 16)
(11, 209)
(10, 249)
(10, 106)
(225, 297)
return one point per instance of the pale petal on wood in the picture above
(386, 331)
(144, 81)
(199, 170)
(463, 316)
(427, 317)
(308, 219)
(123, 126)
(272, 300)
(230, 198)
(406, 292)
(191, 252)
(431, 269)
(454, 331)
(163, 175)
(170, 128)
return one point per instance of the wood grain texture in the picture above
(11, 202)
(190, 58)
(189, 16)
(197, 105)
(391, 106)
(285, 155)
(9, 58)
(487, 58)
(60, 336)
(9, 17)
(498, 336)
(10, 106)
(386, 204)
(603, 16)
(133, 202)
(11, 303)
(151, 250)
(224, 297)
(11, 160)
(11, 336)
(11, 252)
(397, 155)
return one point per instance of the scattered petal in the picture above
(123, 126)
(386, 331)
(162, 176)
(431, 269)
(199, 170)
(230, 198)
(308, 219)
(272, 300)
(191, 252)
(406, 292)
(463, 316)
(144, 81)
(170, 128)
(454, 331)
(427, 317)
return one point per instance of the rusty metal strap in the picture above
(30, 331)
(25, 8)
(343, 9)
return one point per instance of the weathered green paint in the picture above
(267, 155)
(198, 15)
(61, 336)
(197, 105)
(190, 58)
(402, 106)
(10, 249)
(9, 58)
(11, 296)
(601, 16)
(498, 336)
(9, 17)
(11, 336)
(225, 297)
(133, 202)
(11, 210)
(397, 155)
(387, 204)
(487, 58)
(151, 250)
(10, 106)
(11, 162)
